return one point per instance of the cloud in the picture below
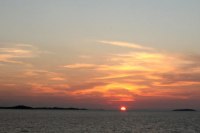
(57, 79)
(8, 58)
(137, 61)
(114, 76)
(17, 53)
(125, 44)
(135, 77)
(80, 66)
(12, 55)
(129, 76)
(43, 75)
(38, 88)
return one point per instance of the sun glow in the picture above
(123, 108)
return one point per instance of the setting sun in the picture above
(123, 108)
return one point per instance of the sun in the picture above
(123, 108)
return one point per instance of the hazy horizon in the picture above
(100, 54)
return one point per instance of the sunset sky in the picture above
(102, 54)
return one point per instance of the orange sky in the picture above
(100, 54)
(139, 79)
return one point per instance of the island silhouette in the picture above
(184, 110)
(45, 108)
(69, 108)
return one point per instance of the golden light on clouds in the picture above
(131, 77)
(80, 66)
(101, 54)
(139, 73)
(125, 44)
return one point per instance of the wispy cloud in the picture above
(138, 76)
(15, 52)
(80, 66)
(141, 74)
(125, 44)
(43, 75)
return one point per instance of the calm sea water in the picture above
(58, 121)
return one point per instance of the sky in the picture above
(100, 54)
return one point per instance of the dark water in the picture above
(58, 121)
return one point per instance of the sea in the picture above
(90, 121)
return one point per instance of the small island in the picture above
(183, 110)
(42, 108)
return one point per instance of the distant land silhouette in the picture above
(184, 110)
(45, 108)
